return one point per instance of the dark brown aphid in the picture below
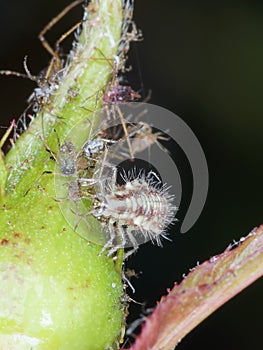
(120, 94)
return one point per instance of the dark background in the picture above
(203, 61)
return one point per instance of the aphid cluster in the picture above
(129, 214)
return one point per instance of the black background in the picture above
(203, 61)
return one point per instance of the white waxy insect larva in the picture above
(135, 212)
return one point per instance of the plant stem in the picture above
(56, 292)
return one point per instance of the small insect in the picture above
(141, 137)
(92, 148)
(144, 138)
(117, 92)
(40, 96)
(73, 163)
(120, 94)
(67, 159)
(76, 165)
(133, 213)
(66, 162)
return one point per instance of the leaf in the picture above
(204, 290)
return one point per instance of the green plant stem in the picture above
(56, 292)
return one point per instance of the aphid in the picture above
(144, 137)
(133, 213)
(116, 92)
(41, 95)
(75, 165)
(71, 163)
(67, 159)
(96, 146)
(66, 162)
(140, 138)
(120, 94)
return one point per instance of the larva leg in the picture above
(110, 242)
(132, 239)
(130, 252)
(120, 244)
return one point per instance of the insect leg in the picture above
(55, 20)
(6, 135)
(126, 133)
(121, 240)
(110, 242)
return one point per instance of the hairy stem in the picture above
(205, 289)
(56, 292)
